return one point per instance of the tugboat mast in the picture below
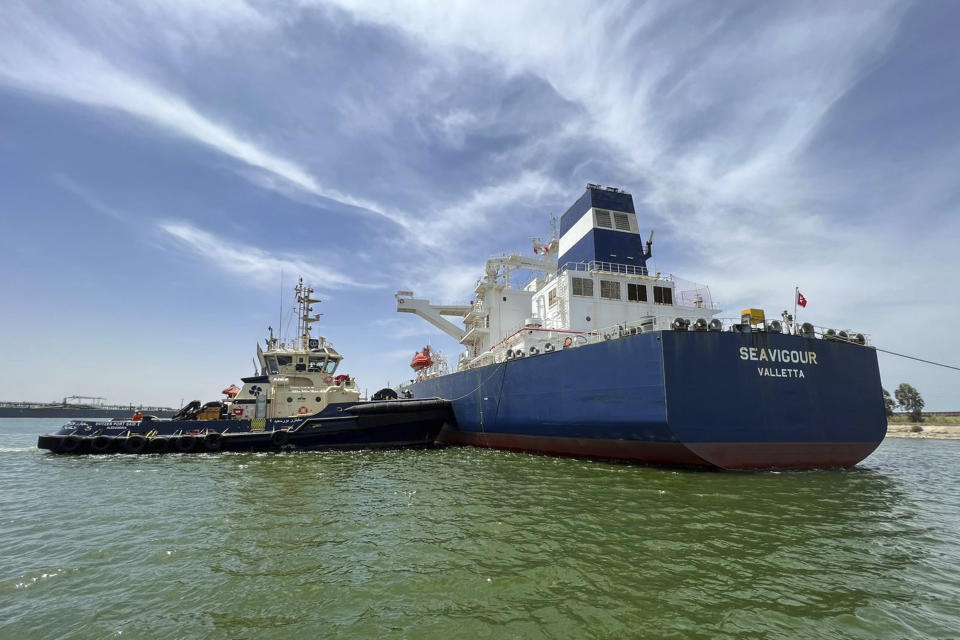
(304, 319)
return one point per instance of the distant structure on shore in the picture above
(79, 407)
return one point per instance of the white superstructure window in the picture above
(622, 221)
(552, 297)
(582, 287)
(663, 295)
(636, 292)
(603, 219)
(610, 289)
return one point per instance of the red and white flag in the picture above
(801, 300)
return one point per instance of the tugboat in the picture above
(296, 400)
(598, 356)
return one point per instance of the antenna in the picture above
(281, 304)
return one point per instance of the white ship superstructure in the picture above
(591, 283)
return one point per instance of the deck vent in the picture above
(807, 331)
(715, 325)
(774, 326)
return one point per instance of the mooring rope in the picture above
(939, 364)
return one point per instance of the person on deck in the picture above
(138, 416)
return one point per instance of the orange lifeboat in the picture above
(421, 360)
(231, 391)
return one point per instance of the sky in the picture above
(168, 169)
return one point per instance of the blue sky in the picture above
(162, 163)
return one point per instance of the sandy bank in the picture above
(938, 431)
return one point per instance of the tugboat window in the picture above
(272, 365)
(284, 361)
(331, 366)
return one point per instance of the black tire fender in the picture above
(101, 444)
(184, 444)
(212, 441)
(134, 444)
(70, 444)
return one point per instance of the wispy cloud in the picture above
(37, 56)
(255, 265)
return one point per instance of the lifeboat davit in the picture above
(421, 360)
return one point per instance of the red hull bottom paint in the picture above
(732, 456)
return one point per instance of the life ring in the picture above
(567, 342)
(280, 438)
(328, 380)
(303, 410)
(134, 444)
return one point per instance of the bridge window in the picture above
(272, 366)
(622, 220)
(610, 289)
(603, 219)
(636, 292)
(552, 297)
(582, 287)
(284, 361)
(663, 295)
(331, 366)
(316, 364)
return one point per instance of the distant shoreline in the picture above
(930, 431)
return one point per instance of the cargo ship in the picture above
(598, 356)
(297, 399)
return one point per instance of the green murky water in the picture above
(468, 543)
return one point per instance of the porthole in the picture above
(588, 318)
(289, 399)
(319, 399)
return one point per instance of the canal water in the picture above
(469, 543)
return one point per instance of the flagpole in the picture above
(796, 292)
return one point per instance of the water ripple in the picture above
(473, 543)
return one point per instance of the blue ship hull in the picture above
(715, 399)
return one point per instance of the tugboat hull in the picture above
(374, 425)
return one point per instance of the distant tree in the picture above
(909, 400)
(889, 404)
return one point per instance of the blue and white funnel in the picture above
(602, 226)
